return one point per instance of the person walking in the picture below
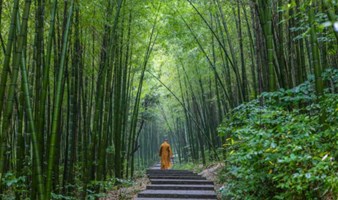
(166, 154)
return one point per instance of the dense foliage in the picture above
(279, 149)
(88, 88)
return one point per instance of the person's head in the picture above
(165, 140)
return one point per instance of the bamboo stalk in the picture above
(57, 106)
(6, 124)
(8, 52)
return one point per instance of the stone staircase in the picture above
(176, 185)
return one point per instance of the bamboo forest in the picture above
(89, 90)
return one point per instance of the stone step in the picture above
(179, 187)
(154, 171)
(178, 194)
(155, 167)
(176, 177)
(166, 170)
(181, 182)
(145, 198)
(172, 174)
(158, 171)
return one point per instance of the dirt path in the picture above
(128, 193)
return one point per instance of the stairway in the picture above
(176, 185)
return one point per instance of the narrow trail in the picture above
(176, 185)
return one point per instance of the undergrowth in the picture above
(18, 187)
(188, 166)
(276, 147)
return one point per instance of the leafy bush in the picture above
(16, 187)
(279, 149)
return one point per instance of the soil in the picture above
(128, 193)
(211, 173)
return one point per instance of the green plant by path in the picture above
(281, 150)
(188, 166)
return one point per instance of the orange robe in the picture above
(165, 154)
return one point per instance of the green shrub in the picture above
(16, 187)
(279, 150)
